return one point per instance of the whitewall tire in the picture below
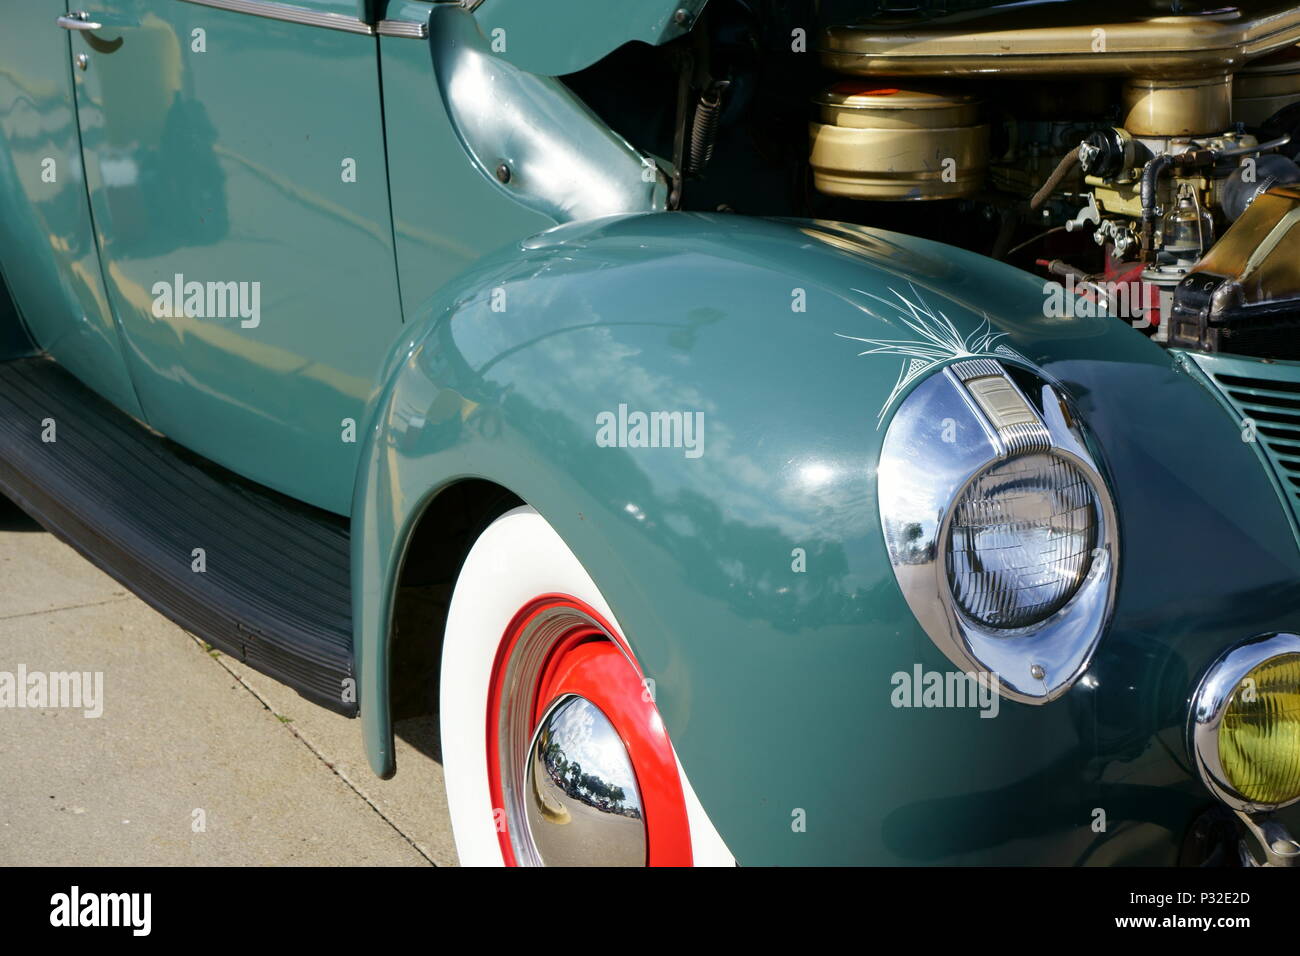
(529, 635)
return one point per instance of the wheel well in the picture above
(438, 545)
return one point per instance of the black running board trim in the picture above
(276, 592)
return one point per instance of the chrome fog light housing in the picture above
(999, 525)
(1244, 724)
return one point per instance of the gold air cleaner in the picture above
(880, 142)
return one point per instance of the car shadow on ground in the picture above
(13, 518)
(422, 734)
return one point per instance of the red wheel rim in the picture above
(584, 655)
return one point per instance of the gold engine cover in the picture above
(1266, 86)
(876, 141)
(1149, 38)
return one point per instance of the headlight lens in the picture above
(1259, 737)
(1021, 540)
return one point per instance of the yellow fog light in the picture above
(1259, 739)
(1246, 724)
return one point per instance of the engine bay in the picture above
(1142, 156)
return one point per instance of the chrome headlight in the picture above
(999, 526)
(1021, 540)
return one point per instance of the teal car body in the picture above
(797, 666)
(433, 314)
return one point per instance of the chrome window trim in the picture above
(921, 476)
(1210, 702)
(412, 29)
(290, 14)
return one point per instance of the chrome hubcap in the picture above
(568, 786)
(582, 805)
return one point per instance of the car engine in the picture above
(1140, 155)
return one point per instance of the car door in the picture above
(235, 159)
(47, 246)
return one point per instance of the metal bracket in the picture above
(1279, 846)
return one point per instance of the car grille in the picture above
(1267, 394)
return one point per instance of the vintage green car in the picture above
(841, 431)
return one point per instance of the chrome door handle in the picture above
(78, 21)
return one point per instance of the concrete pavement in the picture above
(195, 760)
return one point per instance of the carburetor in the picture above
(1163, 188)
(1155, 193)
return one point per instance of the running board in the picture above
(275, 592)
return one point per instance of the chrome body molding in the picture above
(1210, 703)
(290, 13)
(413, 29)
(941, 438)
(1015, 425)
(974, 368)
(1020, 439)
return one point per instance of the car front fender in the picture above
(749, 570)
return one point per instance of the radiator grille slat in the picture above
(1274, 406)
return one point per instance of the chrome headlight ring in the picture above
(950, 430)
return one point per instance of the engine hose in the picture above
(1151, 174)
(704, 128)
(1062, 170)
